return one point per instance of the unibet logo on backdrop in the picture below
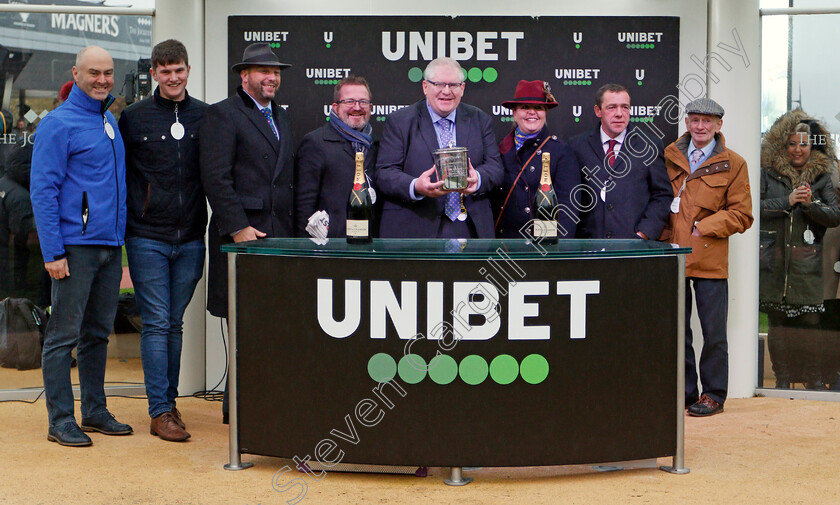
(470, 299)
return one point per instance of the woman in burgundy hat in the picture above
(521, 152)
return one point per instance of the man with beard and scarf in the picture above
(326, 159)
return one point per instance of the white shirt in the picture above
(606, 138)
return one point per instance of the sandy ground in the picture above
(759, 451)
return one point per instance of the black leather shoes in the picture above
(68, 434)
(106, 423)
(705, 407)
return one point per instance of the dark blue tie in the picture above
(267, 113)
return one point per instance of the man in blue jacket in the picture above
(78, 196)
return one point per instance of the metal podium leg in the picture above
(455, 478)
(233, 417)
(678, 466)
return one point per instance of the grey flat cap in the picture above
(704, 106)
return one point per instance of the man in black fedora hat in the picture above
(246, 166)
(249, 141)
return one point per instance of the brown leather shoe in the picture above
(177, 415)
(166, 428)
(705, 406)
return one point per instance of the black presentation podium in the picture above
(457, 353)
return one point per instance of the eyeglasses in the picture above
(440, 85)
(350, 102)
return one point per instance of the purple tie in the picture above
(267, 113)
(452, 208)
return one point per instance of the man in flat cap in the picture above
(247, 166)
(711, 202)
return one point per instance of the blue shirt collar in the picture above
(436, 117)
(707, 150)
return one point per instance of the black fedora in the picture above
(259, 54)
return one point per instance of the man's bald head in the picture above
(94, 72)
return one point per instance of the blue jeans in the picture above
(83, 309)
(164, 278)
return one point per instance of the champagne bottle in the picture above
(545, 203)
(359, 213)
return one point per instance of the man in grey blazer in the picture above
(415, 205)
(246, 166)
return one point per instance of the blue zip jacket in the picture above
(77, 184)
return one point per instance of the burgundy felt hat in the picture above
(532, 93)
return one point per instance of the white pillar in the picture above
(733, 32)
(184, 20)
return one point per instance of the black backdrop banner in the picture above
(575, 55)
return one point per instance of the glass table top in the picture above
(456, 249)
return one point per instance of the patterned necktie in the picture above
(452, 207)
(695, 159)
(611, 151)
(445, 132)
(267, 113)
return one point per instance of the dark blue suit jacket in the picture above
(638, 189)
(405, 152)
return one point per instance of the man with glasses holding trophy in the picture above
(419, 200)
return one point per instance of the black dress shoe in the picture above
(105, 422)
(705, 407)
(689, 402)
(68, 434)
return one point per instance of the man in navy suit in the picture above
(629, 191)
(415, 204)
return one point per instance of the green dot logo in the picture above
(382, 367)
(577, 120)
(577, 46)
(534, 369)
(628, 46)
(329, 45)
(640, 83)
(443, 369)
(504, 369)
(473, 370)
(474, 74)
(464, 71)
(415, 74)
(490, 74)
(412, 368)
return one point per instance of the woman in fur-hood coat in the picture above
(798, 204)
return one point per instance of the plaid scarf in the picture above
(361, 140)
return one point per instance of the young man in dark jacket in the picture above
(167, 215)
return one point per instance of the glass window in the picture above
(799, 237)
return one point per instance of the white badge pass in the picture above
(604, 194)
(109, 130)
(462, 216)
(808, 236)
(177, 130)
(675, 205)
